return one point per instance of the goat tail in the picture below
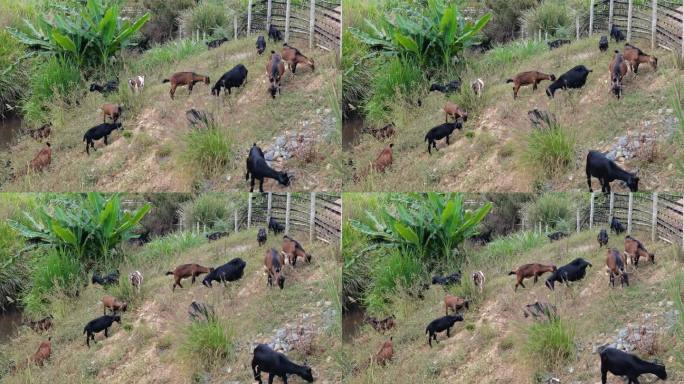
(169, 273)
(165, 81)
(509, 81)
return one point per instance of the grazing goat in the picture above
(180, 79)
(185, 271)
(635, 56)
(201, 312)
(136, 279)
(616, 33)
(113, 304)
(275, 226)
(604, 169)
(137, 84)
(216, 43)
(273, 263)
(556, 236)
(293, 249)
(41, 325)
(274, 34)
(616, 267)
(107, 88)
(540, 311)
(383, 133)
(575, 78)
(574, 271)
(479, 280)
(557, 43)
(259, 169)
(530, 270)
(478, 87)
(231, 271)
(41, 133)
(482, 238)
(382, 325)
(450, 87)
(112, 111)
(276, 364)
(439, 132)
(527, 78)
(109, 279)
(384, 159)
(43, 159)
(234, 78)
(439, 325)
(636, 249)
(275, 69)
(454, 278)
(216, 235)
(260, 44)
(455, 303)
(616, 226)
(603, 43)
(97, 132)
(385, 353)
(621, 363)
(602, 238)
(43, 353)
(262, 236)
(98, 325)
(618, 70)
(451, 109)
(293, 58)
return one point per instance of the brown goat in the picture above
(41, 325)
(43, 353)
(275, 69)
(41, 133)
(294, 57)
(293, 250)
(180, 79)
(273, 264)
(455, 303)
(617, 69)
(636, 249)
(635, 56)
(616, 267)
(42, 159)
(383, 133)
(185, 271)
(527, 78)
(384, 159)
(382, 325)
(385, 353)
(114, 305)
(530, 270)
(111, 110)
(451, 109)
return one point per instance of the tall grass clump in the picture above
(164, 248)
(357, 264)
(550, 343)
(13, 73)
(394, 82)
(550, 151)
(209, 343)
(13, 266)
(555, 210)
(162, 55)
(551, 16)
(207, 17)
(391, 272)
(208, 150)
(676, 290)
(54, 78)
(210, 209)
(500, 252)
(511, 53)
(357, 73)
(677, 102)
(56, 270)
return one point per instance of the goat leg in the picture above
(261, 185)
(271, 376)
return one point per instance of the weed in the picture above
(550, 151)
(208, 150)
(209, 343)
(550, 343)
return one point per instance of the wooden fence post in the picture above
(235, 34)
(249, 210)
(268, 15)
(287, 22)
(268, 208)
(578, 221)
(236, 220)
(591, 17)
(629, 21)
(610, 16)
(577, 26)
(312, 22)
(312, 216)
(629, 213)
(654, 218)
(287, 214)
(610, 209)
(249, 17)
(654, 22)
(591, 211)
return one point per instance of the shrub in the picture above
(207, 210)
(207, 17)
(554, 210)
(13, 268)
(164, 22)
(209, 343)
(550, 343)
(358, 74)
(551, 16)
(208, 150)
(394, 82)
(49, 80)
(550, 152)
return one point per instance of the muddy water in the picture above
(352, 320)
(10, 128)
(10, 321)
(351, 131)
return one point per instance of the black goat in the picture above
(231, 79)
(556, 236)
(575, 270)
(557, 43)
(97, 132)
(262, 236)
(439, 132)
(274, 34)
(603, 43)
(616, 226)
(231, 271)
(604, 169)
(441, 324)
(216, 43)
(109, 279)
(275, 226)
(106, 88)
(621, 363)
(454, 278)
(100, 324)
(260, 44)
(616, 34)
(576, 77)
(450, 87)
(602, 238)
(216, 235)
(259, 169)
(276, 364)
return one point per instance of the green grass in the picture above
(51, 83)
(56, 271)
(550, 152)
(393, 271)
(209, 342)
(159, 56)
(208, 150)
(550, 344)
(394, 81)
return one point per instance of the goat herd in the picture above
(613, 360)
(264, 360)
(597, 164)
(257, 166)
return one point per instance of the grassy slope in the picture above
(491, 160)
(488, 346)
(149, 159)
(146, 348)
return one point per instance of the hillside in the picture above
(156, 150)
(491, 152)
(492, 344)
(150, 346)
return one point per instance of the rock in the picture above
(670, 303)
(622, 141)
(611, 155)
(669, 111)
(280, 141)
(269, 155)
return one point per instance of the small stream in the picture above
(352, 128)
(10, 128)
(10, 320)
(352, 320)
